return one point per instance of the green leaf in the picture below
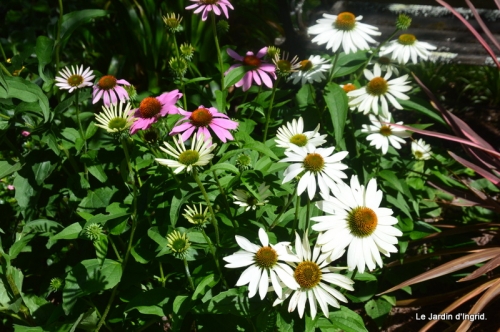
(349, 63)
(336, 100)
(347, 320)
(43, 226)
(155, 235)
(101, 247)
(43, 49)
(19, 245)
(207, 283)
(422, 106)
(225, 167)
(69, 233)
(75, 19)
(91, 130)
(400, 203)
(7, 168)
(220, 98)
(99, 198)
(304, 97)
(262, 148)
(378, 310)
(234, 76)
(42, 171)
(25, 193)
(156, 302)
(88, 277)
(29, 92)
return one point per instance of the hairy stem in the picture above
(209, 204)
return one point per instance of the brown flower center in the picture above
(383, 60)
(345, 21)
(407, 39)
(314, 162)
(307, 274)
(251, 60)
(385, 130)
(149, 107)
(201, 117)
(75, 80)
(107, 82)
(377, 86)
(266, 257)
(362, 221)
(349, 87)
(306, 65)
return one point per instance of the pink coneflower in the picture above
(261, 71)
(210, 5)
(109, 88)
(202, 118)
(152, 108)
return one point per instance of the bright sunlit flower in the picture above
(110, 90)
(385, 64)
(210, 5)
(114, 118)
(200, 120)
(378, 90)
(310, 70)
(263, 264)
(421, 150)
(245, 199)
(260, 72)
(178, 243)
(198, 217)
(187, 159)
(355, 219)
(152, 108)
(383, 134)
(315, 277)
(345, 29)
(74, 78)
(293, 134)
(310, 163)
(407, 46)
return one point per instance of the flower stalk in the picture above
(209, 204)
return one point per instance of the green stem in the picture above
(296, 216)
(290, 199)
(219, 56)
(186, 267)
(3, 53)
(162, 274)
(308, 207)
(375, 52)
(117, 253)
(269, 110)
(226, 203)
(207, 200)
(6, 117)
(5, 70)
(132, 233)
(58, 35)
(182, 78)
(80, 129)
(212, 251)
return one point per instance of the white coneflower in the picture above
(292, 133)
(356, 220)
(114, 118)
(421, 150)
(382, 134)
(74, 78)
(343, 29)
(187, 159)
(244, 199)
(407, 47)
(311, 70)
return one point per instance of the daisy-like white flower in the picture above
(311, 162)
(110, 90)
(260, 72)
(310, 70)
(382, 134)
(407, 46)
(285, 67)
(263, 264)
(244, 199)
(293, 134)
(206, 6)
(355, 219)
(200, 120)
(315, 277)
(74, 78)
(198, 217)
(421, 150)
(114, 118)
(152, 108)
(385, 64)
(378, 91)
(187, 159)
(345, 29)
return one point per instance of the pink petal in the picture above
(261, 52)
(234, 55)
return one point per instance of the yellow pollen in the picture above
(349, 87)
(266, 257)
(314, 162)
(362, 221)
(306, 65)
(75, 80)
(307, 274)
(251, 60)
(107, 82)
(345, 21)
(407, 39)
(385, 130)
(299, 139)
(377, 86)
(201, 117)
(149, 107)
(189, 157)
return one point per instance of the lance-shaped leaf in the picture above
(483, 269)
(459, 302)
(452, 266)
(484, 173)
(482, 24)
